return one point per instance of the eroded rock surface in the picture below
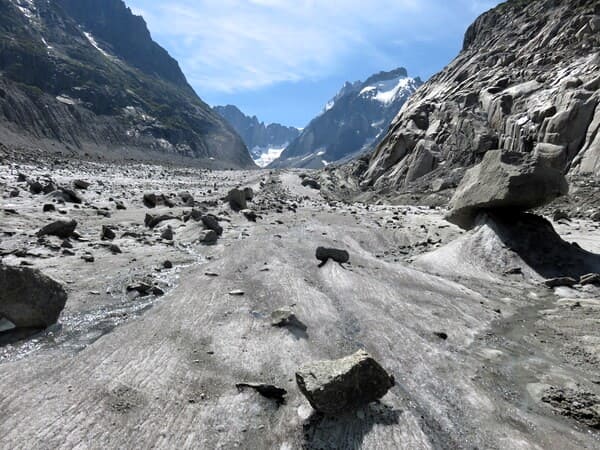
(527, 77)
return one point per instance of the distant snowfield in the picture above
(268, 155)
(388, 91)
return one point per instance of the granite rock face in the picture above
(527, 77)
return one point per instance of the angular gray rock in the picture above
(323, 254)
(61, 228)
(313, 184)
(69, 196)
(107, 233)
(167, 234)
(248, 193)
(152, 200)
(81, 184)
(333, 387)
(506, 181)
(211, 222)
(28, 298)
(237, 199)
(152, 220)
(208, 237)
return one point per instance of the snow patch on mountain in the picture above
(352, 122)
(94, 44)
(27, 8)
(265, 156)
(388, 91)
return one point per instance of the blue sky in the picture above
(283, 59)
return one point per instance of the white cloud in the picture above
(233, 45)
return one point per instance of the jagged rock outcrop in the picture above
(265, 142)
(528, 76)
(86, 74)
(356, 119)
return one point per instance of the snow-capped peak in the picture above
(383, 87)
(388, 91)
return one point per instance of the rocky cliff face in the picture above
(265, 142)
(527, 80)
(353, 121)
(86, 76)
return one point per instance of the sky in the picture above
(282, 60)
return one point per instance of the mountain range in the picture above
(354, 121)
(85, 76)
(265, 142)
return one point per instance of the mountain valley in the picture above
(417, 268)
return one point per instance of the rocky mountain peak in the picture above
(352, 122)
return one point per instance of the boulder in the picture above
(250, 215)
(28, 298)
(167, 234)
(313, 184)
(69, 196)
(237, 199)
(152, 200)
(107, 233)
(186, 198)
(208, 237)
(506, 181)
(80, 184)
(333, 387)
(211, 222)
(559, 214)
(560, 281)
(61, 228)
(35, 187)
(152, 220)
(340, 256)
(115, 249)
(248, 193)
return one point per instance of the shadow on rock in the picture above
(17, 335)
(347, 431)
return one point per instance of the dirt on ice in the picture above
(482, 358)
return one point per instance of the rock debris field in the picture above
(194, 311)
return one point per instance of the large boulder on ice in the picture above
(28, 298)
(507, 181)
(333, 387)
